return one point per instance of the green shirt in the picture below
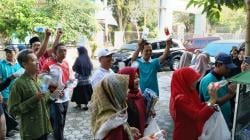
(34, 114)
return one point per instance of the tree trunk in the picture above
(247, 46)
(137, 31)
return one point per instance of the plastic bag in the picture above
(152, 128)
(150, 101)
(215, 128)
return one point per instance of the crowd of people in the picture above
(117, 103)
(193, 99)
(25, 102)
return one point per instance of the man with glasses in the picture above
(223, 65)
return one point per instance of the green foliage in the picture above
(120, 10)
(75, 16)
(214, 7)
(186, 19)
(231, 20)
(128, 11)
(19, 17)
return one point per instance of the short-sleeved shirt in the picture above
(98, 75)
(6, 70)
(205, 81)
(148, 74)
(42, 60)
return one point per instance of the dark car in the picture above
(122, 57)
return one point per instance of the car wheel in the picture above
(174, 63)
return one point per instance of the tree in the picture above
(186, 19)
(120, 11)
(19, 17)
(214, 7)
(138, 12)
(75, 17)
(230, 21)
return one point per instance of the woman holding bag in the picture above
(188, 112)
(135, 100)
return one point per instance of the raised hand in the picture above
(48, 32)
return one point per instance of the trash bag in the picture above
(215, 128)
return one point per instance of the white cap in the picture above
(103, 52)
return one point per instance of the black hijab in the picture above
(83, 65)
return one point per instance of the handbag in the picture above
(215, 128)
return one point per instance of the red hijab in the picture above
(181, 84)
(131, 72)
(135, 96)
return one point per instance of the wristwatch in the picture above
(209, 104)
(214, 106)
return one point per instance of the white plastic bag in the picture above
(152, 128)
(215, 128)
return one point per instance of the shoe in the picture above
(16, 129)
(85, 108)
(10, 134)
(77, 107)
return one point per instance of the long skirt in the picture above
(82, 94)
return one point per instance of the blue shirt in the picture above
(148, 74)
(226, 107)
(6, 70)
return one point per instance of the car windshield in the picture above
(131, 47)
(215, 48)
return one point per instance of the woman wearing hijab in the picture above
(135, 100)
(195, 55)
(188, 112)
(185, 59)
(235, 57)
(83, 91)
(109, 109)
(201, 65)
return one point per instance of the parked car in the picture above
(198, 43)
(122, 57)
(222, 46)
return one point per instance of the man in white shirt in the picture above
(105, 59)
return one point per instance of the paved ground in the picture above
(78, 121)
